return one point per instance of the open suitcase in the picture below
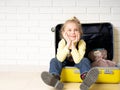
(96, 35)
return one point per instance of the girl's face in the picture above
(72, 30)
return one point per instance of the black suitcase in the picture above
(96, 35)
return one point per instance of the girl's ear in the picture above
(62, 31)
(62, 34)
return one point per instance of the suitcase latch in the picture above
(108, 71)
(76, 71)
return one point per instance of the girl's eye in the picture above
(69, 30)
(76, 29)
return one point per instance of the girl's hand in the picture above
(75, 41)
(77, 38)
(65, 36)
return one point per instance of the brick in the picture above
(98, 10)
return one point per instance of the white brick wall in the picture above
(25, 26)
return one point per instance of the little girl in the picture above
(70, 52)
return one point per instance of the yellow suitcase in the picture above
(106, 75)
(70, 74)
(109, 75)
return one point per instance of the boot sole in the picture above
(50, 80)
(90, 78)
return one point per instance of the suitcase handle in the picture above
(53, 29)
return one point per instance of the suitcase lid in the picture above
(96, 35)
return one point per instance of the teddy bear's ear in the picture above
(104, 53)
(91, 55)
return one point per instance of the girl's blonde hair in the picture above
(74, 20)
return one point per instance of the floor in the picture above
(29, 79)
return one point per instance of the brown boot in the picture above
(52, 80)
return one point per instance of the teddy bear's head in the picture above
(96, 54)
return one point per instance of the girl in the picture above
(70, 52)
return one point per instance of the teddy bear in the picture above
(99, 58)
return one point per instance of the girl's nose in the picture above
(73, 31)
